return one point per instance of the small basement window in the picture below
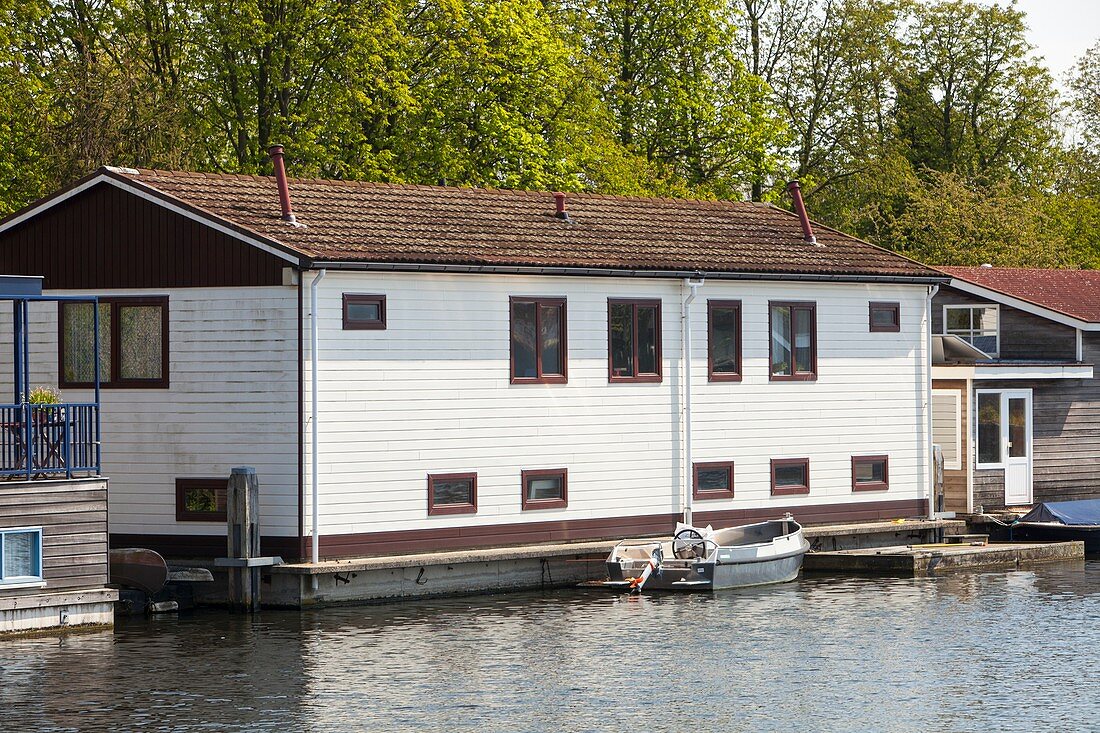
(133, 343)
(790, 476)
(20, 556)
(793, 341)
(884, 317)
(870, 473)
(538, 340)
(452, 493)
(364, 312)
(634, 340)
(201, 499)
(544, 489)
(724, 340)
(713, 481)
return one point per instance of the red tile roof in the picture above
(388, 223)
(1073, 293)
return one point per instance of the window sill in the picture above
(711, 495)
(644, 378)
(540, 380)
(545, 504)
(455, 509)
(790, 490)
(723, 377)
(878, 486)
(22, 584)
(115, 385)
(793, 377)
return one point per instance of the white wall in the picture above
(232, 401)
(431, 394)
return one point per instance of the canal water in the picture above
(965, 652)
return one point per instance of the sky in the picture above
(1062, 30)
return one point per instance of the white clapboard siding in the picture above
(232, 401)
(431, 394)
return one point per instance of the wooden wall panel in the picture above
(108, 238)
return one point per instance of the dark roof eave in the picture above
(931, 279)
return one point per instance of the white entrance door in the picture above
(1016, 433)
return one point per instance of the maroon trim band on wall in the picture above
(560, 503)
(470, 508)
(871, 485)
(793, 489)
(114, 379)
(658, 346)
(541, 377)
(723, 376)
(895, 308)
(795, 375)
(696, 493)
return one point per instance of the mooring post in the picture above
(242, 509)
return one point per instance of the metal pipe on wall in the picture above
(685, 348)
(932, 290)
(316, 550)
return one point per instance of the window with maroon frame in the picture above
(201, 499)
(790, 476)
(884, 317)
(544, 489)
(538, 341)
(793, 340)
(452, 493)
(870, 473)
(133, 343)
(634, 340)
(364, 312)
(724, 340)
(713, 481)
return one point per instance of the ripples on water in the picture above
(965, 652)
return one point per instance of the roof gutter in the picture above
(611, 272)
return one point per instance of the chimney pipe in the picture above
(559, 207)
(800, 209)
(276, 153)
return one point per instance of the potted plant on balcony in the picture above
(42, 401)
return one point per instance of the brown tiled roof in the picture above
(388, 223)
(1073, 293)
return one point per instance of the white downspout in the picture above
(685, 361)
(313, 415)
(932, 290)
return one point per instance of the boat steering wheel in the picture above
(688, 544)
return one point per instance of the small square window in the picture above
(364, 312)
(452, 493)
(870, 473)
(790, 476)
(20, 556)
(713, 481)
(884, 317)
(544, 489)
(201, 499)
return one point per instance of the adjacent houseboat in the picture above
(415, 367)
(1017, 408)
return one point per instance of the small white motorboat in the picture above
(710, 559)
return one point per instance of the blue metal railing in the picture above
(49, 441)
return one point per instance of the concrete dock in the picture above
(912, 560)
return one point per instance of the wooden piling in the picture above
(242, 509)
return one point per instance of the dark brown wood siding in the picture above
(105, 237)
(1023, 335)
(73, 518)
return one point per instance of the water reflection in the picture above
(957, 652)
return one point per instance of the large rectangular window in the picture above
(990, 450)
(133, 343)
(20, 556)
(793, 341)
(975, 324)
(452, 493)
(201, 499)
(870, 473)
(790, 476)
(544, 489)
(538, 341)
(634, 340)
(724, 340)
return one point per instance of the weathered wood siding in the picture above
(431, 394)
(954, 479)
(107, 238)
(73, 518)
(1023, 335)
(233, 401)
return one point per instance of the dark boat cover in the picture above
(1085, 511)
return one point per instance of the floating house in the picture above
(53, 499)
(1016, 402)
(428, 368)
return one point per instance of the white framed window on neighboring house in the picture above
(978, 325)
(947, 426)
(21, 557)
